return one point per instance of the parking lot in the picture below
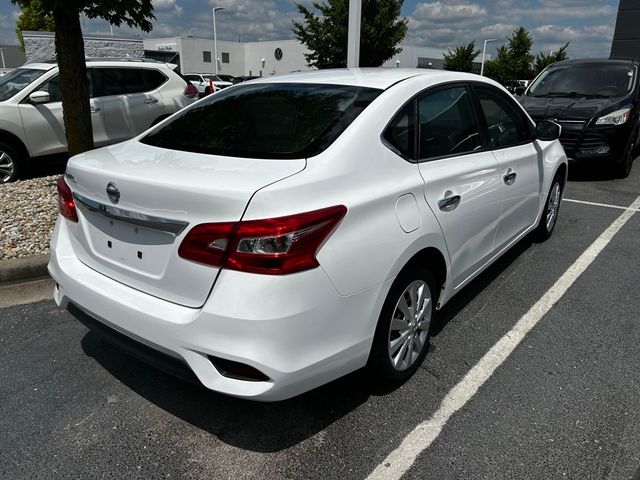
(560, 403)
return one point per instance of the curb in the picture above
(23, 269)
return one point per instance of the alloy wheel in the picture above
(554, 206)
(7, 167)
(409, 327)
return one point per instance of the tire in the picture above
(623, 169)
(549, 217)
(11, 163)
(392, 360)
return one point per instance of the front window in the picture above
(590, 80)
(14, 82)
(265, 120)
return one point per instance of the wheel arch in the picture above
(14, 141)
(434, 260)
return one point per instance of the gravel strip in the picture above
(28, 211)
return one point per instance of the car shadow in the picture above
(266, 427)
(594, 172)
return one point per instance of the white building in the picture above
(195, 55)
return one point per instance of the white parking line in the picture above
(606, 205)
(422, 436)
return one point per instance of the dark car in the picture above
(596, 103)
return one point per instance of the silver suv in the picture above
(127, 97)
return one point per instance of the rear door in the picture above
(130, 106)
(511, 137)
(462, 182)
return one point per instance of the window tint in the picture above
(401, 131)
(447, 124)
(119, 81)
(53, 88)
(153, 79)
(265, 120)
(506, 124)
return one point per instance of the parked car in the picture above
(275, 236)
(516, 87)
(127, 97)
(596, 102)
(203, 81)
(244, 78)
(226, 78)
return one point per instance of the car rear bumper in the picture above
(295, 329)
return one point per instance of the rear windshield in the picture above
(265, 120)
(17, 80)
(597, 80)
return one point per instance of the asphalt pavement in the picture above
(564, 404)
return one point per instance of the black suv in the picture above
(596, 103)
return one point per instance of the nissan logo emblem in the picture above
(113, 193)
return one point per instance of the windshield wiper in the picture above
(572, 95)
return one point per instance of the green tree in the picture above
(74, 85)
(462, 58)
(33, 18)
(326, 35)
(514, 60)
(543, 60)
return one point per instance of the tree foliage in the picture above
(543, 60)
(33, 18)
(74, 85)
(514, 60)
(325, 35)
(462, 58)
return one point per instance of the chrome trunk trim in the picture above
(174, 227)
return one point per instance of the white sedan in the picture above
(278, 235)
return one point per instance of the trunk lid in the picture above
(162, 195)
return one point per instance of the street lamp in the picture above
(215, 40)
(484, 54)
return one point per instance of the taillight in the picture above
(275, 246)
(190, 91)
(66, 204)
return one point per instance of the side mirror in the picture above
(547, 131)
(39, 97)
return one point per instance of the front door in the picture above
(44, 122)
(462, 183)
(511, 136)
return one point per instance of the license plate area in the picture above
(131, 247)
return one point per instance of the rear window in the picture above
(265, 120)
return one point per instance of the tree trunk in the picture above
(74, 85)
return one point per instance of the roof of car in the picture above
(586, 61)
(381, 78)
(49, 64)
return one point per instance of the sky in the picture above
(587, 24)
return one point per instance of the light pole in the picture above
(2, 55)
(484, 54)
(215, 40)
(353, 36)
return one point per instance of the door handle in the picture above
(510, 177)
(95, 108)
(449, 203)
(150, 101)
